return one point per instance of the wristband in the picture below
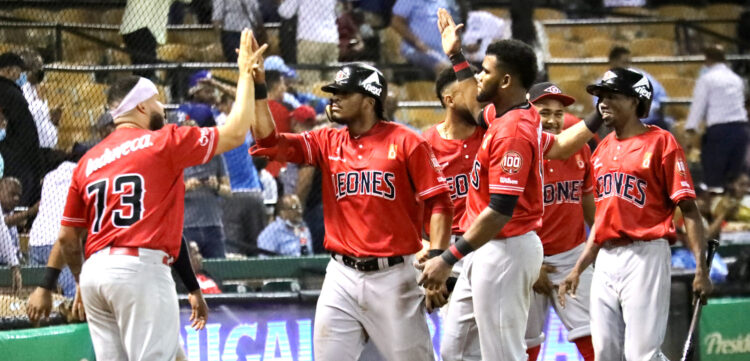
(261, 92)
(461, 66)
(49, 282)
(457, 251)
(593, 121)
(434, 253)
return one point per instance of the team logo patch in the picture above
(392, 152)
(342, 76)
(646, 160)
(579, 162)
(680, 167)
(609, 75)
(553, 89)
(203, 141)
(512, 162)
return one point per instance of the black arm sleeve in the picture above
(184, 269)
(503, 203)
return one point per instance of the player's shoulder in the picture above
(660, 138)
(522, 122)
(431, 134)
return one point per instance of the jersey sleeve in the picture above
(425, 173)
(547, 140)
(190, 146)
(289, 147)
(588, 177)
(678, 182)
(486, 116)
(511, 160)
(74, 214)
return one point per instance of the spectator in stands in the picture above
(202, 97)
(719, 100)
(317, 35)
(46, 119)
(10, 196)
(302, 120)
(619, 57)
(287, 235)
(351, 45)
(46, 225)
(144, 25)
(377, 12)
(270, 186)
(244, 212)
(415, 22)
(230, 17)
(9, 254)
(208, 285)
(20, 148)
(205, 187)
(482, 29)
(292, 97)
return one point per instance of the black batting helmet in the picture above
(629, 82)
(363, 79)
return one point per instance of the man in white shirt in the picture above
(144, 24)
(719, 100)
(317, 34)
(46, 120)
(482, 29)
(231, 16)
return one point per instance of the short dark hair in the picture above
(618, 51)
(273, 78)
(714, 53)
(517, 57)
(121, 88)
(10, 59)
(446, 77)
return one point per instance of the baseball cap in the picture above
(304, 114)
(11, 59)
(194, 83)
(275, 62)
(548, 90)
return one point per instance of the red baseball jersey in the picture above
(128, 190)
(455, 157)
(373, 185)
(565, 183)
(639, 181)
(509, 162)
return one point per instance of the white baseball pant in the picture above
(630, 301)
(386, 306)
(575, 315)
(489, 307)
(131, 306)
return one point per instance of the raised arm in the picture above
(232, 133)
(449, 33)
(572, 139)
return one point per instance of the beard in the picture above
(335, 118)
(486, 94)
(156, 121)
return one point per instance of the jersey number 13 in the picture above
(131, 199)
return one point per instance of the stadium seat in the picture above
(212, 53)
(598, 47)
(76, 15)
(503, 13)
(86, 57)
(421, 118)
(391, 45)
(548, 14)
(176, 52)
(634, 10)
(315, 89)
(723, 11)
(576, 88)
(116, 57)
(678, 87)
(35, 14)
(660, 70)
(78, 118)
(228, 75)
(652, 47)
(66, 78)
(192, 37)
(583, 33)
(662, 31)
(680, 12)
(113, 16)
(420, 90)
(565, 49)
(92, 95)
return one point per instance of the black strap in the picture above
(367, 265)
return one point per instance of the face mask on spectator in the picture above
(2, 134)
(21, 81)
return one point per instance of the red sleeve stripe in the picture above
(307, 145)
(688, 192)
(74, 220)
(460, 66)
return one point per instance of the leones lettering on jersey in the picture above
(512, 162)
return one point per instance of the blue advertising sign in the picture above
(273, 330)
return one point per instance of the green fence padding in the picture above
(54, 343)
(725, 330)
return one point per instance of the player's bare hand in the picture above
(17, 281)
(434, 273)
(435, 299)
(212, 182)
(249, 53)
(39, 305)
(422, 256)
(78, 312)
(568, 287)
(192, 183)
(199, 313)
(543, 285)
(449, 32)
(701, 287)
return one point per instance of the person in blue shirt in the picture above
(287, 235)
(415, 22)
(202, 100)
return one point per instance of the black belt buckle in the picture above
(368, 265)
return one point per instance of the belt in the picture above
(133, 251)
(367, 265)
(612, 243)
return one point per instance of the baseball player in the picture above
(127, 193)
(503, 209)
(641, 177)
(568, 201)
(376, 176)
